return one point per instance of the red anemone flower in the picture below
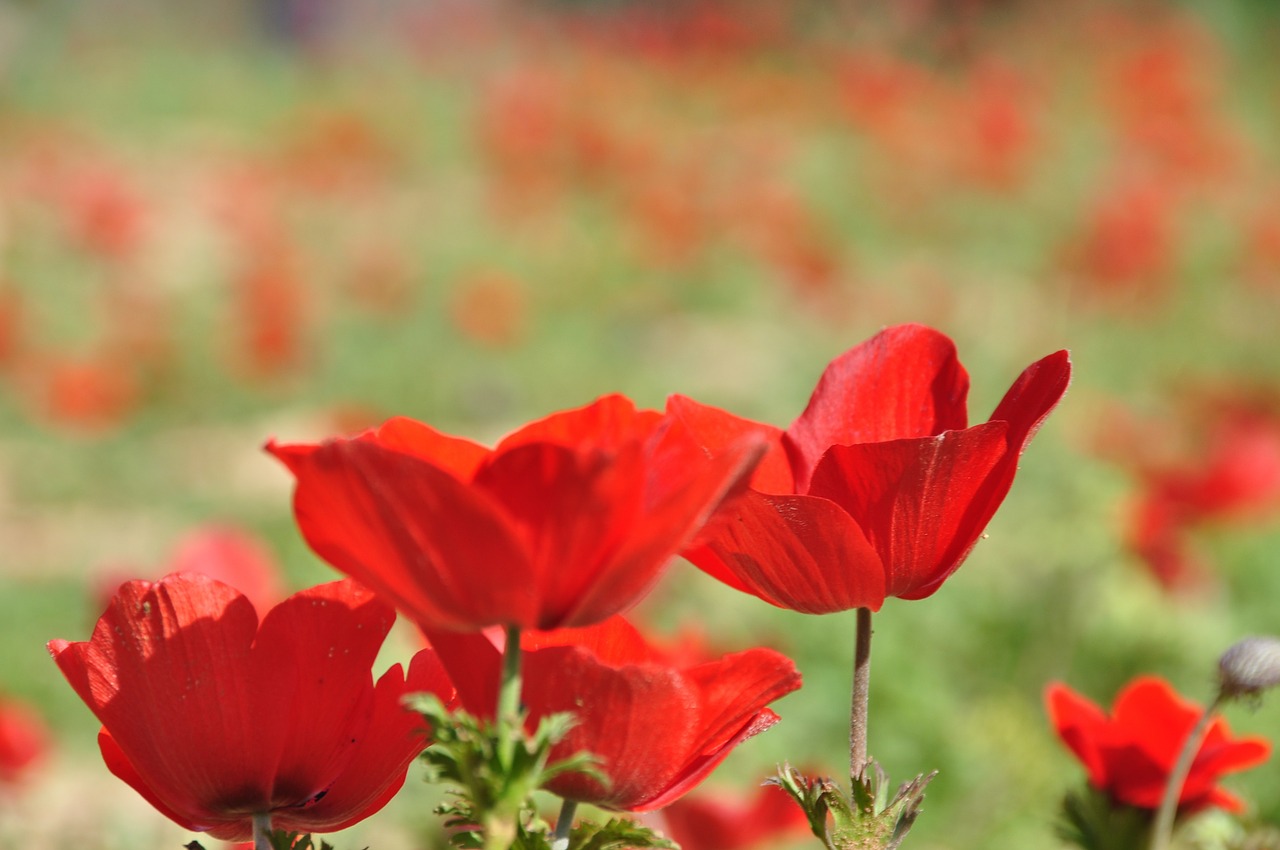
(1130, 754)
(658, 729)
(215, 718)
(567, 521)
(879, 488)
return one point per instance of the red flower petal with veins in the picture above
(213, 717)
(1130, 754)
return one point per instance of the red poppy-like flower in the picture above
(567, 521)
(214, 718)
(879, 488)
(23, 740)
(719, 822)
(1130, 753)
(659, 729)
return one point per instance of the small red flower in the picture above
(213, 717)
(879, 488)
(658, 729)
(23, 740)
(1130, 753)
(568, 521)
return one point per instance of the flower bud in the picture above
(1250, 666)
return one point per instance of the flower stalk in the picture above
(262, 831)
(860, 696)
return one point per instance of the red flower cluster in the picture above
(214, 717)
(1130, 753)
(879, 488)
(567, 521)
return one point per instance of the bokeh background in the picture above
(229, 221)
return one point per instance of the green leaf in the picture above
(617, 834)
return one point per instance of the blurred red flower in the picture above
(568, 520)
(1130, 753)
(878, 489)
(23, 740)
(213, 717)
(658, 728)
(720, 822)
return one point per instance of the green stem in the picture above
(861, 695)
(564, 825)
(507, 714)
(262, 831)
(1162, 831)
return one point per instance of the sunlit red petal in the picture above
(455, 455)
(912, 498)
(436, 546)
(904, 382)
(798, 552)
(716, 430)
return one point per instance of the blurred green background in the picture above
(229, 222)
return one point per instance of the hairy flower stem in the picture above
(861, 693)
(1162, 831)
(262, 831)
(564, 825)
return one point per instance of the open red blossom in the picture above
(213, 717)
(1130, 754)
(658, 729)
(567, 521)
(879, 488)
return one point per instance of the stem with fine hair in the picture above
(861, 693)
(1162, 830)
(262, 831)
(564, 825)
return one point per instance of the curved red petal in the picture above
(185, 812)
(911, 498)
(436, 546)
(572, 511)
(736, 688)
(797, 552)
(389, 739)
(686, 494)
(1079, 723)
(458, 456)
(904, 382)
(609, 422)
(1031, 398)
(328, 638)
(715, 430)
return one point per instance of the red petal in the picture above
(912, 498)
(796, 552)
(390, 739)
(455, 455)
(682, 492)
(328, 638)
(572, 511)
(1079, 724)
(1031, 398)
(607, 423)
(236, 828)
(716, 430)
(168, 672)
(904, 382)
(436, 546)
